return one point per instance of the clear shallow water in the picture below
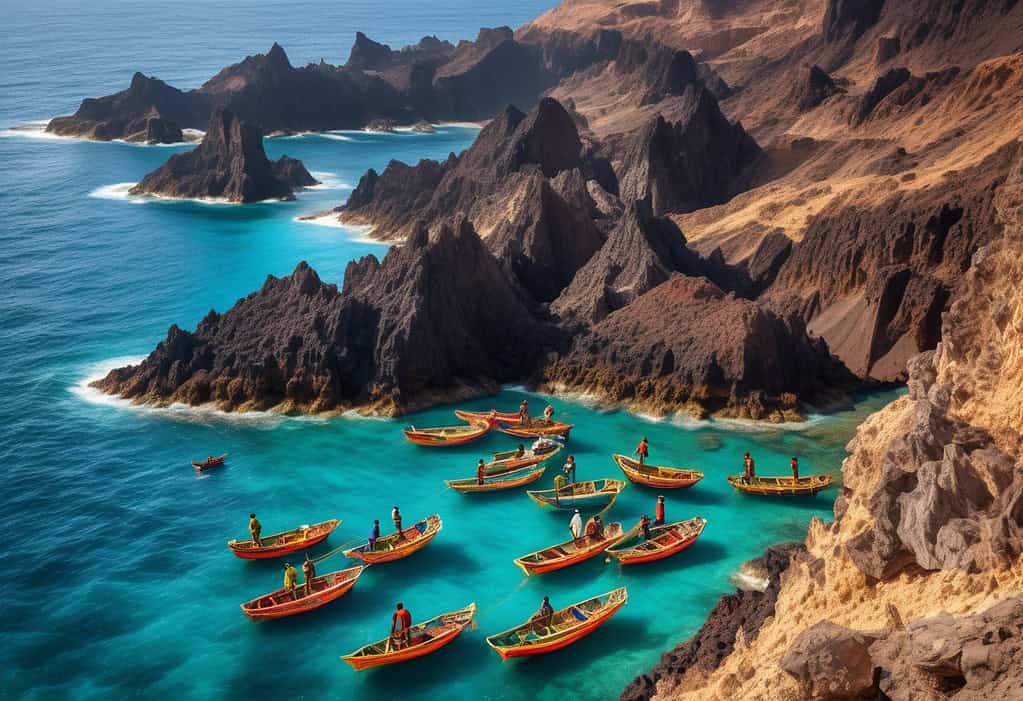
(128, 589)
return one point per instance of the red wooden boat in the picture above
(424, 638)
(536, 428)
(664, 542)
(210, 462)
(282, 603)
(508, 460)
(471, 416)
(444, 436)
(535, 637)
(284, 543)
(572, 551)
(399, 545)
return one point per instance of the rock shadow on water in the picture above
(702, 552)
(603, 643)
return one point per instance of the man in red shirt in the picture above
(481, 471)
(401, 621)
(643, 450)
(795, 468)
(659, 512)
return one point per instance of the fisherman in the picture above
(576, 525)
(521, 452)
(255, 527)
(595, 528)
(795, 468)
(290, 578)
(643, 450)
(524, 412)
(659, 512)
(374, 534)
(401, 621)
(559, 484)
(548, 413)
(569, 469)
(747, 464)
(545, 614)
(481, 471)
(752, 469)
(644, 523)
(396, 517)
(309, 572)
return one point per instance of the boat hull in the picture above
(585, 500)
(338, 584)
(415, 541)
(635, 556)
(670, 478)
(806, 486)
(435, 440)
(537, 431)
(454, 629)
(269, 552)
(531, 568)
(471, 487)
(210, 464)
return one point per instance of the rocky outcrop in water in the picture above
(402, 333)
(230, 164)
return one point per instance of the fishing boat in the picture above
(782, 486)
(657, 475)
(398, 545)
(536, 428)
(664, 541)
(282, 603)
(572, 551)
(209, 462)
(494, 483)
(284, 543)
(424, 638)
(510, 460)
(509, 417)
(564, 627)
(592, 495)
(443, 436)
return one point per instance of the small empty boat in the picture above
(564, 627)
(536, 428)
(445, 436)
(285, 542)
(282, 603)
(424, 638)
(571, 552)
(494, 483)
(210, 462)
(592, 495)
(505, 417)
(657, 475)
(782, 486)
(664, 542)
(399, 545)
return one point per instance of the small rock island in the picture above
(230, 164)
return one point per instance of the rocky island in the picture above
(229, 165)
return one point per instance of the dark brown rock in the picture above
(832, 662)
(229, 164)
(814, 89)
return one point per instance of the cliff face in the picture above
(402, 333)
(229, 164)
(919, 576)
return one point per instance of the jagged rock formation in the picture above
(229, 164)
(687, 345)
(815, 89)
(402, 333)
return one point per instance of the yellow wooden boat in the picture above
(782, 486)
(657, 475)
(399, 545)
(591, 495)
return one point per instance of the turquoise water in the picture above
(118, 581)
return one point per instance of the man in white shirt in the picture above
(576, 525)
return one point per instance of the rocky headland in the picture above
(228, 165)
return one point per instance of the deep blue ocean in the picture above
(118, 580)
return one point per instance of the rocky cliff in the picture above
(229, 164)
(402, 333)
(915, 590)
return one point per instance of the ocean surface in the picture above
(118, 580)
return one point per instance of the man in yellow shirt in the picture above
(254, 529)
(290, 578)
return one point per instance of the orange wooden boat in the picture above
(444, 436)
(536, 428)
(807, 485)
(508, 460)
(572, 551)
(536, 637)
(424, 638)
(501, 416)
(282, 603)
(209, 462)
(284, 543)
(398, 545)
(502, 480)
(664, 542)
(657, 475)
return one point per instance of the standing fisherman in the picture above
(643, 450)
(481, 471)
(548, 413)
(396, 517)
(309, 572)
(747, 466)
(374, 534)
(290, 579)
(795, 468)
(524, 412)
(401, 621)
(576, 525)
(569, 469)
(255, 527)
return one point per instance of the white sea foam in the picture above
(357, 232)
(336, 136)
(749, 579)
(37, 130)
(465, 125)
(204, 414)
(117, 191)
(120, 191)
(328, 181)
